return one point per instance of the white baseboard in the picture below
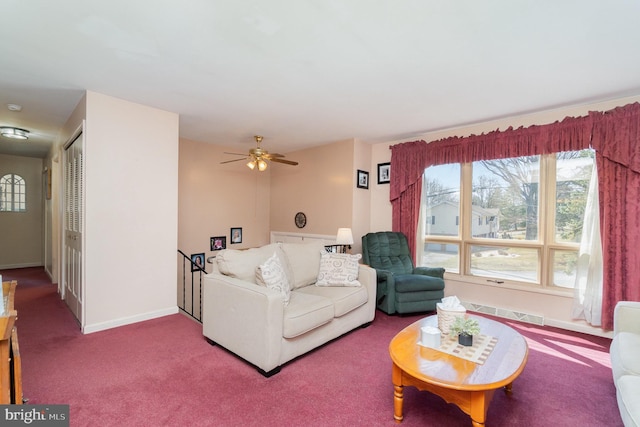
(580, 327)
(25, 265)
(97, 327)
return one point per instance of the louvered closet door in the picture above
(73, 200)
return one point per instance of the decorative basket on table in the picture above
(447, 317)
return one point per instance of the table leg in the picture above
(396, 379)
(508, 388)
(397, 403)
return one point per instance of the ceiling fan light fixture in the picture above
(251, 164)
(262, 165)
(15, 133)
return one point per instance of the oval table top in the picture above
(504, 364)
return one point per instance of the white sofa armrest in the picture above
(367, 278)
(243, 317)
(626, 317)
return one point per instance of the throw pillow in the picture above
(338, 270)
(242, 264)
(272, 274)
(303, 261)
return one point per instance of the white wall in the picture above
(21, 235)
(130, 235)
(322, 186)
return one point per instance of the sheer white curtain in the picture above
(587, 301)
(420, 229)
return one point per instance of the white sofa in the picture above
(253, 320)
(625, 360)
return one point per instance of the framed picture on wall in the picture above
(384, 173)
(218, 243)
(197, 262)
(236, 235)
(363, 179)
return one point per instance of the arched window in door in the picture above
(13, 193)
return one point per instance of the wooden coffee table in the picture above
(464, 383)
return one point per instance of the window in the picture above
(520, 218)
(13, 193)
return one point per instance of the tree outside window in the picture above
(533, 209)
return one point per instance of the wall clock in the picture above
(300, 220)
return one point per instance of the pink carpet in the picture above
(163, 373)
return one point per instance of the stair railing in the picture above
(190, 286)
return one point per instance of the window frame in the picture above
(545, 244)
(16, 181)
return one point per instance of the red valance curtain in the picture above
(410, 159)
(616, 139)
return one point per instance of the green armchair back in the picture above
(401, 287)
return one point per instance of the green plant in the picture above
(465, 326)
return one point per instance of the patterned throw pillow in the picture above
(338, 270)
(272, 275)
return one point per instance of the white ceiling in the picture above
(306, 73)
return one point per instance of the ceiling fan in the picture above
(258, 157)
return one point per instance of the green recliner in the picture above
(402, 288)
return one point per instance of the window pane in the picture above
(445, 255)
(564, 268)
(505, 263)
(12, 193)
(441, 195)
(573, 172)
(505, 198)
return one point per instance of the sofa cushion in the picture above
(628, 396)
(304, 262)
(344, 299)
(304, 313)
(272, 275)
(624, 351)
(338, 270)
(242, 264)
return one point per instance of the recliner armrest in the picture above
(384, 276)
(430, 271)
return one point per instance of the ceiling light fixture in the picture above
(257, 161)
(15, 133)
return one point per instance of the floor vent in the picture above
(507, 314)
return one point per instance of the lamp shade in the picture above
(344, 237)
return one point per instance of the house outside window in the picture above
(533, 209)
(13, 193)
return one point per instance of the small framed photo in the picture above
(218, 243)
(384, 173)
(363, 179)
(236, 235)
(197, 262)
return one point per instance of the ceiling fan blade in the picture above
(272, 155)
(286, 162)
(236, 154)
(235, 160)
